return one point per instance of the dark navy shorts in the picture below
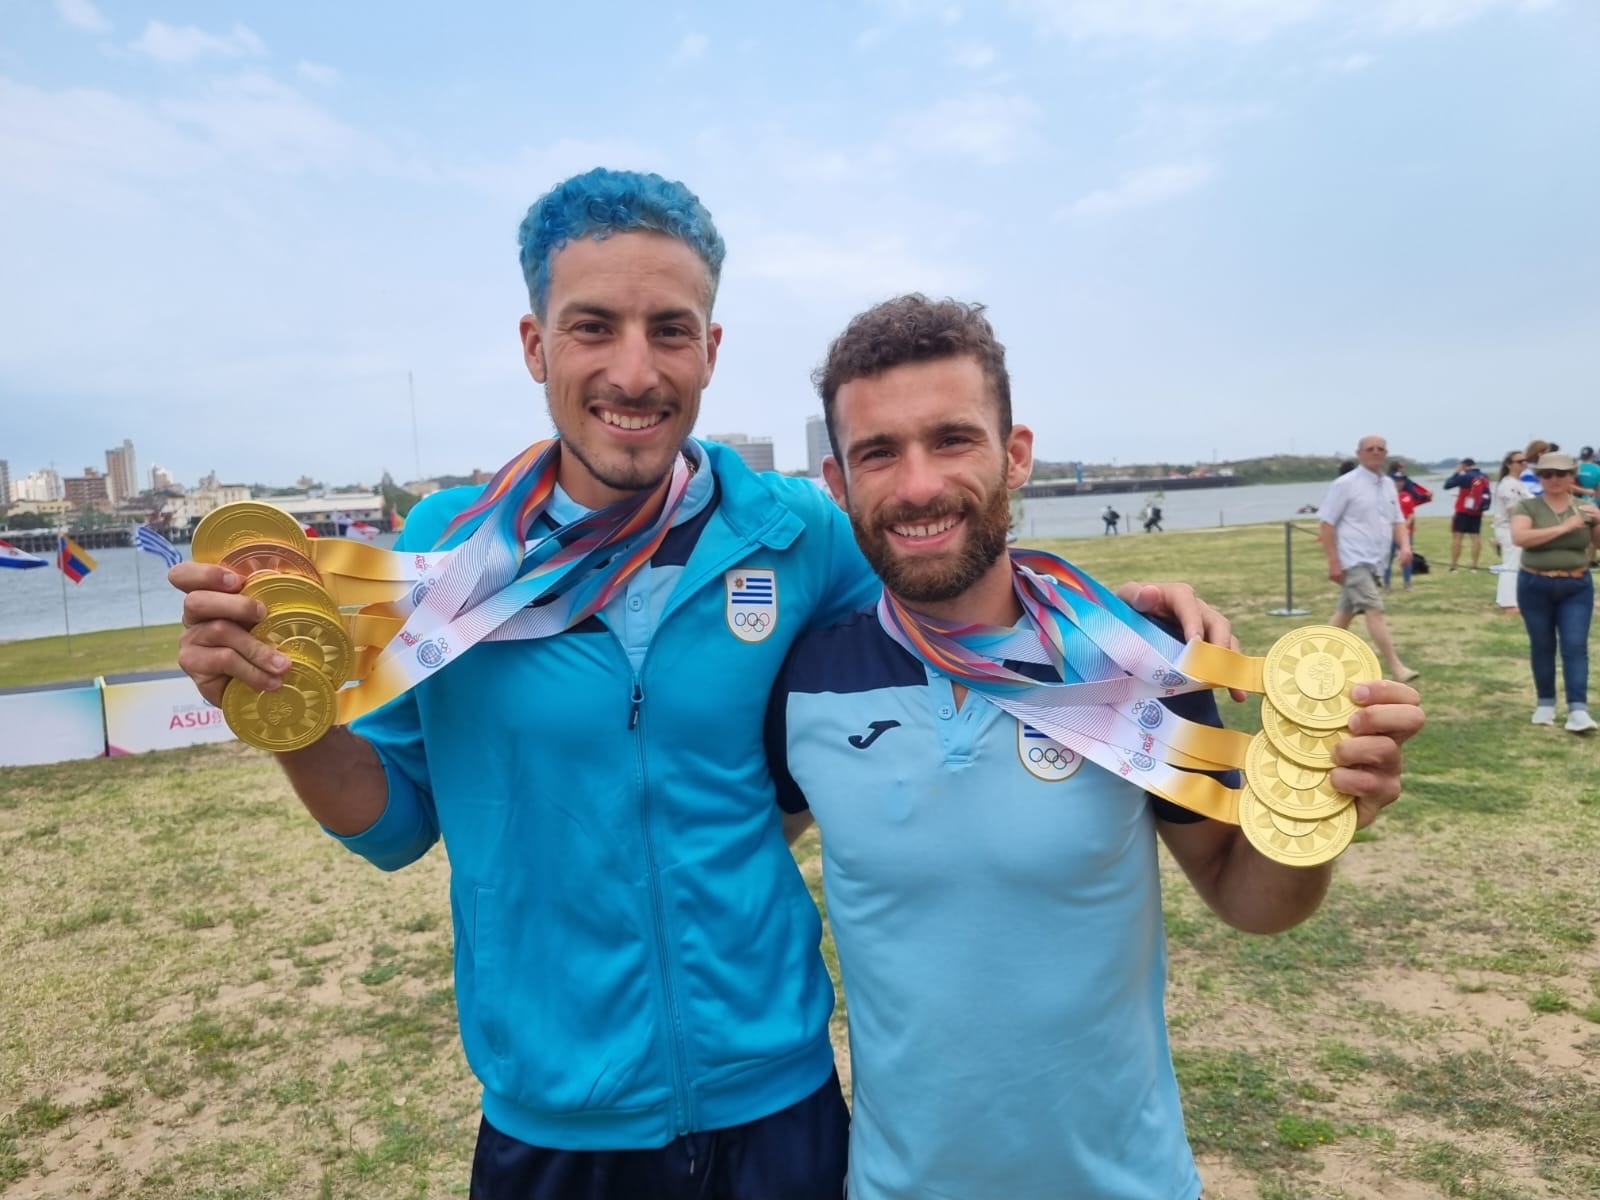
(796, 1154)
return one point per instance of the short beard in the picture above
(988, 522)
(629, 477)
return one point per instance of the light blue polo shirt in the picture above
(996, 904)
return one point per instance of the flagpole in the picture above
(138, 582)
(61, 566)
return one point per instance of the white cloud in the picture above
(1141, 189)
(82, 14)
(691, 48)
(1250, 20)
(183, 44)
(974, 56)
(987, 127)
(1238, 19)
(317, 73)
(1351, 63)
(847, 271)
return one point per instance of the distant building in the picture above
(160, 478)
(756, 452)
(42, 487)
(5, 482)
(88, 490)
(122, 473)
(817, 447)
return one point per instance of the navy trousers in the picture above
(796, 1154)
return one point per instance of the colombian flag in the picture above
(74, 561)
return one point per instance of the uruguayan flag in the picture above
(148, 539)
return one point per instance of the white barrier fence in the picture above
(114, 714)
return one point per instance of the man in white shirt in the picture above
(1360, 518)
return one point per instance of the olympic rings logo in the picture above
(1051, 756)
(755, 622)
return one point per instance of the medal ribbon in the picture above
(1113, 664)
(498, 586)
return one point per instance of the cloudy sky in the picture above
(1227, 227)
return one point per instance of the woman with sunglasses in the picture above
(1508, 493)
(1557, 534)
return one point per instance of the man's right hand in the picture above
(1335, 573)
(216, 645)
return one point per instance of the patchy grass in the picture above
(206, 997)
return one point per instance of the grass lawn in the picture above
(205, 997)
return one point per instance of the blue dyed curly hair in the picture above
(602, 202)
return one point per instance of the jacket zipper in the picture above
(682, 1116)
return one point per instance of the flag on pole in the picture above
(75, 562)
(149, 540)
(10, 556)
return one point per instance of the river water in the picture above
(110, 597)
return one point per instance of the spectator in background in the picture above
(1588, 472)
(1110, 516)
(1531, 454)
(1360, 517)
(1558, 534)
(1410, 493)
(1508, 493)
(1472, 497)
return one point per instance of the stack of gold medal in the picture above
(1288, 806)
(266, 547)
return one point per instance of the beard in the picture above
(929, 580)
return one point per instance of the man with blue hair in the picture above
(638, 978)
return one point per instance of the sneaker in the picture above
(1579, 721)
(1544, 716)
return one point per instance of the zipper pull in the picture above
(637, 699)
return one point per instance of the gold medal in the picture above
(253, 557)
(311, 636)
(1308, 675)
(1308, 747)
(292, 717)
(281, 591)
(224, 529)
(1326, 839)
(1287, 787)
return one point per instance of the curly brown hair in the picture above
(911, 329)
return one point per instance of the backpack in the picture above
(1474, 497)
(1419, 564)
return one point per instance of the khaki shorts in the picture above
(1360, 591)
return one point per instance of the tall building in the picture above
(5, 482)
(817, 447)
(88, 490)
(122, 473)
(160, 478)
(41, 486)
(756, 452)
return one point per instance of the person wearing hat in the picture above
(1558, 533)
(1472, 499)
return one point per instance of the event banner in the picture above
(51, 723)
(158, 710)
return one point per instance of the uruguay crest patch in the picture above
(752, 608)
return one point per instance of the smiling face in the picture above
(624, 350)
(926, 478)
(1370, 453)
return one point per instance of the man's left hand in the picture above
(1368, 765)
(1178, 602)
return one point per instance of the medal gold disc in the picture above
(255, 557)
(311, 636)
(279, 591)
(1308, 747)
(291, 718)
(224, 529)
(1308, 675)
(1299, 792)
(1326, 840)
(1290, 826)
